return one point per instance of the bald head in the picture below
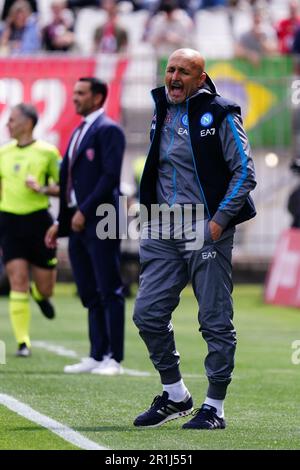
(184, 74)
(191, 55)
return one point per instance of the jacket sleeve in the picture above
(111, 142)
(237, 153)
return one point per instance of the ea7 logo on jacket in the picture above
(206, 132)
(182, 131)
(209, 255)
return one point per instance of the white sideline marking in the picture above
(59, 350)
(62, 351)
(61, 430)
(137, 373)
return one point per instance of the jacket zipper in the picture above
(167, 155)
(194, 162)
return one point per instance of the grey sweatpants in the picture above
(166, 268)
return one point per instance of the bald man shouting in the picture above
(198, 173)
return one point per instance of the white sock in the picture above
(218, 404)
(177, 391)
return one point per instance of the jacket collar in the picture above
(92, 129)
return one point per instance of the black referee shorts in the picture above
(22, 236)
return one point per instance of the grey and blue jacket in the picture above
(199, 153)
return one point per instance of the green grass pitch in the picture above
(262, 406)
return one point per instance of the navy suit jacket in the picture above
(96, 171)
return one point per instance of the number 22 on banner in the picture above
(51, 92)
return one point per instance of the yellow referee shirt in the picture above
(38, 159)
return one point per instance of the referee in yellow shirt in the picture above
(29, 172)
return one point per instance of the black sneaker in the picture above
(23, 350)
(162, 410)
(205, 418)
(46, 307)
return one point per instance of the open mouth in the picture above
(176, 90)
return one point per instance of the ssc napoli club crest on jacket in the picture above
(90, 154)
(206, 120)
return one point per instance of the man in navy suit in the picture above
(89, 177)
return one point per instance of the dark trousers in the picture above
(96, 270)
(166, 268)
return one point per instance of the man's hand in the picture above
(215, 230)
(78, 221)
(32, 183)
(51, 236)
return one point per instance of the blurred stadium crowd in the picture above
(244, 28)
